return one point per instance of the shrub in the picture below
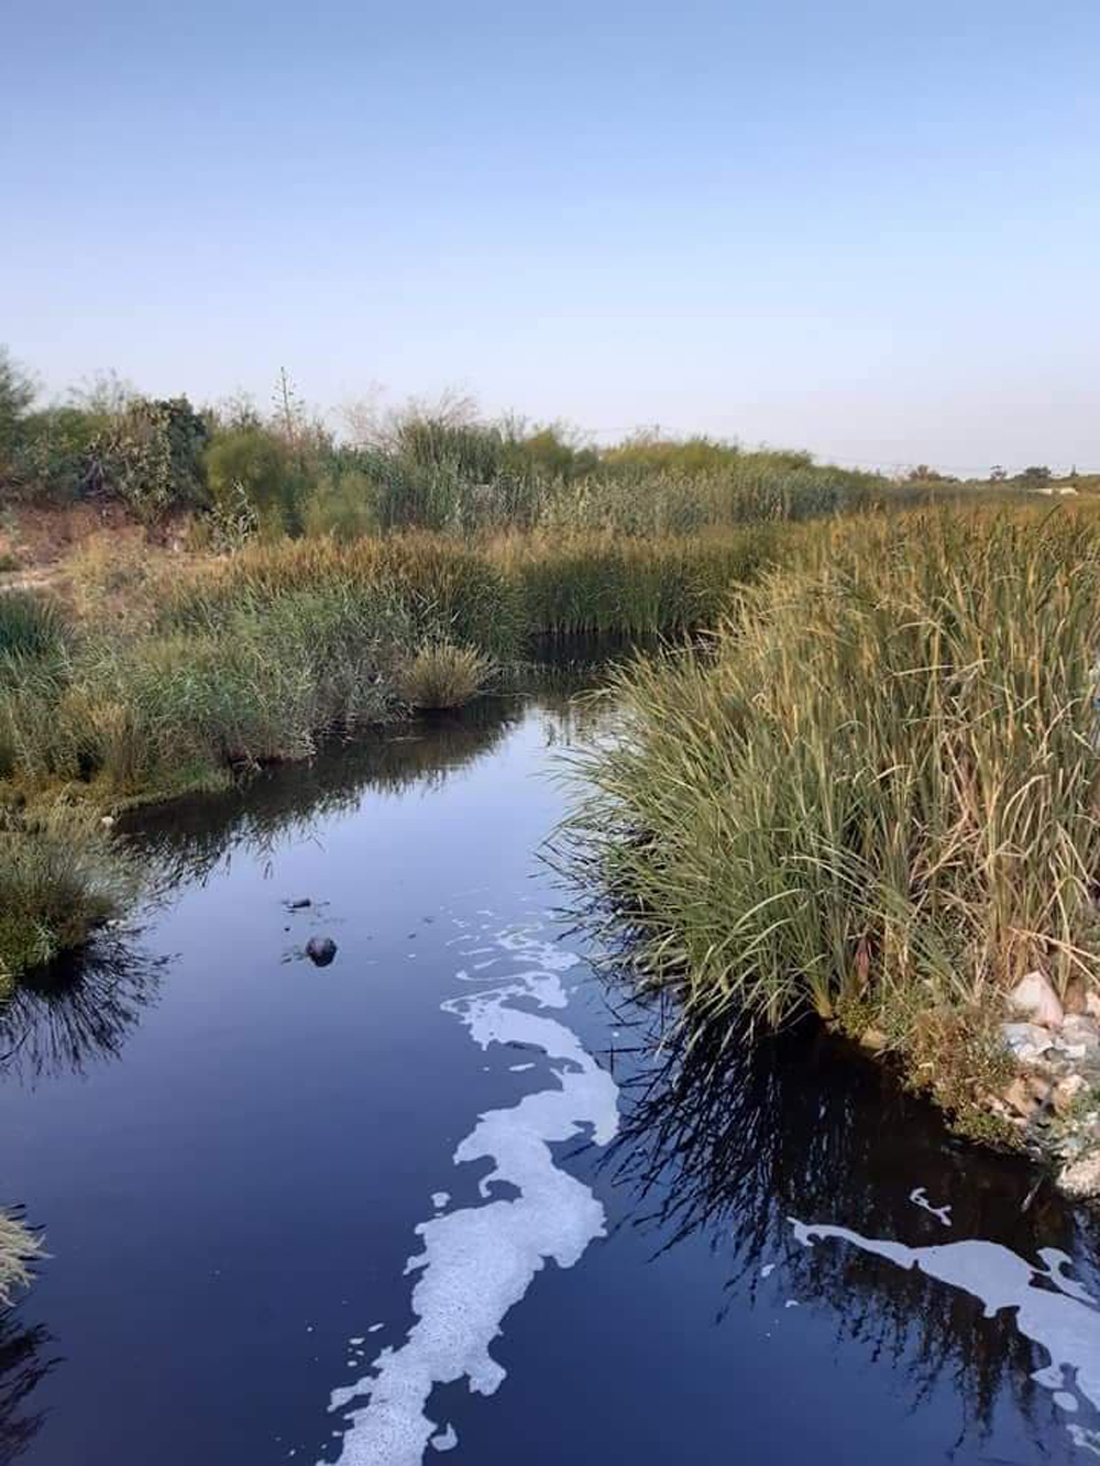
(343, 505)
(257, 463)
(17, 392)
(52, 459)
(150, 457)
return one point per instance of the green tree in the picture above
(17, 391)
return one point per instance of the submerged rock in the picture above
(320, 950)
(1035, 998)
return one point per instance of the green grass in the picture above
(168, 680)
(631, 587)
(248, 659)
(30, 625)
(876, 796)
(61, 876)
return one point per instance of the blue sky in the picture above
(869, 229)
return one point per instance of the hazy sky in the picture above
(869, 229)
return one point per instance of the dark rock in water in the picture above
(320, 950)
(299, 905)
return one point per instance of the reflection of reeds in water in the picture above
(24, 1363)
(78, 1010)
(733, 1147)
(188, 841)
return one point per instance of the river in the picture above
(446, 1194)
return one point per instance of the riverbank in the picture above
(871, 795)
(874, 799)
(142, 676)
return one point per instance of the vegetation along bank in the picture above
(869, 796)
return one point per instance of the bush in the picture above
(151, 458)
(53, 455)
(17, 392)
(258, 463)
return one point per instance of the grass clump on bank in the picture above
(441, 676)
(875, 797)
(61, 876)
(30, 626)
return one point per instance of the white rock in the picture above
(1066, 1092)
(1025, 1041)
(1080, 1030)
(1034, 997)
(1081, 1178)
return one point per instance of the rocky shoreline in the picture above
(1053, 1098)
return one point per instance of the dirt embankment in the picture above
(35, 542)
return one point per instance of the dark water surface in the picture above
(230, 1150)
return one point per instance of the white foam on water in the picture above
(1065, 1323)
(919, 1197)
(477, 1262)
(446, 1440)
(520, 1068)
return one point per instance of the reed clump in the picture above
(31, 625)
(875, 796)
(608, 584)
(20, 1248)
(441, 676)
(61, 876)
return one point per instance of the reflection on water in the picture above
(1050, 1309)
(714, 1157)
(78, 1010)
(25, 1360)
(188, 841)
(734, 1146)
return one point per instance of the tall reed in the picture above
(876, 795)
